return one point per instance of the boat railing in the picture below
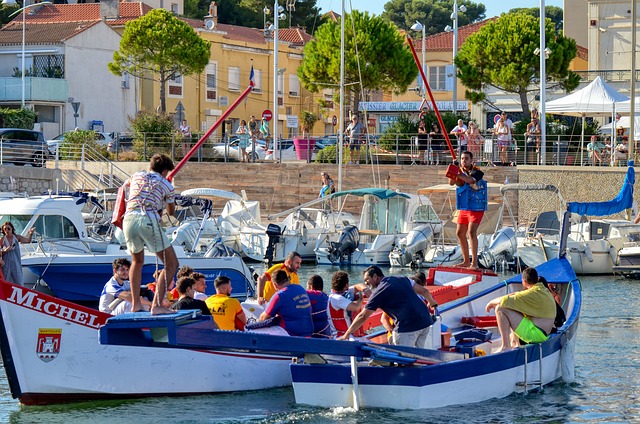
(95, 171)
(55, 246)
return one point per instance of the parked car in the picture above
(121, 142)
(22, 147)
(102, 138)
(231, 151)
(287, 151)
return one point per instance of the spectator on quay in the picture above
(226, 310)
(356, 132)
(595, 149)
(621, 151)
(328, 187)
(185, 137)
(475, 141)
(503, 133)
(460, 131)
(264, 130)
(437, 143)
(423, 143)
(244, 140)
(533, 141)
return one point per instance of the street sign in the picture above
(267, 114)
(334, 120)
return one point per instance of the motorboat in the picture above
(387, 217)
(593, 245)
(431, 245)
(74, 261)
(299, 231)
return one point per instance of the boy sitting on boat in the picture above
(116, 294)
(530, 313)
(292, 305)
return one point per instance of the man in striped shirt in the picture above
(149, 192)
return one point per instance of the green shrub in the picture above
(155, 131)
(17, 118)
(71, 147)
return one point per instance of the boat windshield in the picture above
(47, 226)
(18, 221)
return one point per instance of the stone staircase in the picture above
(91, 171)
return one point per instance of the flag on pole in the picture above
(252, 78)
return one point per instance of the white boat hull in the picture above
(77, 367)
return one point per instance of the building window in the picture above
(294, 86)
(280, 89)
(234, 78)
(437, 77)
(175, 86)
(44, 65)
(210, 74)
(257, 76)
(174, 8)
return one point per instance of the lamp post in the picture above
(543, 84)
(278, 13)
(419, 27)
(454, 18)
(24, 13)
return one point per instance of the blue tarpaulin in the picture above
(624, 199)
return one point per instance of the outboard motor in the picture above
(410, 250)
(503, 243)
(273, 232)
(347, 242)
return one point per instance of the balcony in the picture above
(36, 89)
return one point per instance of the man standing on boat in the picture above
(149, 193)
(471, 202)
(266, 286)
(396, 297)
(530, 313)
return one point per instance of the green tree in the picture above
(434, 14)
(501, 54)
(159, 46)
(382, 61)
(554, 13)
(152, 133)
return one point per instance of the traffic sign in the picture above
(267, 114)
(334, 120)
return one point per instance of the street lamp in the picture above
(543, 83)
(454, 18)
(24, 10)
(278, 14)
(419, 27)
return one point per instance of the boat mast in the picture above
(632, 106)
(341, 119)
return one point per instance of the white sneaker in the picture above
(357, 162)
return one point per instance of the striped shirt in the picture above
(148, 193)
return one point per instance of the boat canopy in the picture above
(381, 193)
(555, 271)
(624, 199)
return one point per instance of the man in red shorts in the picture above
(471, 213)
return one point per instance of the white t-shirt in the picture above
(461, 133)
(110, 291)
(339, 302)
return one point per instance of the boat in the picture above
(199, 232)
(463, 370)
(593, 245)
(299, 231)
(469, 369)
(74, 261)
(52, 353)
(387, 217)
(432, 245)
(56, 351)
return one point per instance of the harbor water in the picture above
(606, 388)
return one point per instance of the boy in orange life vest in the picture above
(468, 220)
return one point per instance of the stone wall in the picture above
(30, 180)
(282, 186)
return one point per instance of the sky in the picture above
(493, 7)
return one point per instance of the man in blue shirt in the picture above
(291, 303)
(397, 298)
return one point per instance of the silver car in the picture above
(22, 147)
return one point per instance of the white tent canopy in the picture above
(623, 108)
(597, 98)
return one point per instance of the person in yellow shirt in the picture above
(530, 313)
(226, 311)
(266, 288)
